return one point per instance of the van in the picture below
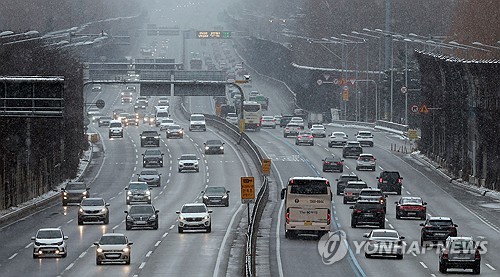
(115, 129)
(197, 122)
(160, 115)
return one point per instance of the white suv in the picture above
(188, 162)
(365, 138)
(197, 122)
(115, 129)
(194, 216)
(49, 241)
(367, 161)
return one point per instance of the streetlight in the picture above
(376, 95)
(379, 49)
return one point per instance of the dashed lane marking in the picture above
(171, 227)
(149, 254)
(422, 263)
(142, 265)
(82, 255)
(492, 268)
(157, 243)
(69, 266)
(29, 245)
(13, 256)
(390, 225)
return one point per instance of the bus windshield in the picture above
(251, 108)
(309, 187)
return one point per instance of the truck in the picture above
(314, 118)
(263, 101)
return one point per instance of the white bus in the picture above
(252, 113)
(308, 206)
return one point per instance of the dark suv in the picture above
(74, 192)
(285, 119)
(437, 229)
(141, 216)
(152, 157)
(150, 138)
(352, 149)
(366, 212)
(342, 182)
(333, 163)
(390, 181)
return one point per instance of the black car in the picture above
(285, 119)
(141, 216)
(152, 157)
(437, 229)
(214, 146)
(366, 212)
(150, 176)
(74, 192)
(150, 138)
(342, 182)
(175, 131)
(215, 196)
(332, 164)
(352, 149)
(390, 181)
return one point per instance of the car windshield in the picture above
(440, 222)
(149, 172)
(371, 193)
(197, 118)
(174, 127)
(75, 186)
(317, 127)
(390, 175)
(107, 240)
(49, 234)
(167, 121)
(417, 201)
(214, 142)
(105, 118)
(380, 234)
(188, 157)
(152, 152)
(459, 245)
(137, 186)
(141, 210)
(194, 209)
(356, 185)
(365, 158)
(115, 124)
(215, 190)
(305, 134)
(338, 134)
(161, 114)
(92, 202)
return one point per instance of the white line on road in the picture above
(156, 197)
(208, 173)
(142, 265)
(422, 263)
(386, 220)
(208, 180)
(413, 253)
(29, 245)
(166, 233)
(149, 253)
(69, 266)
(492, 268)
(69, 221)
(390, 225)
(111, 198)
(157, 243)
(116, 226)
(170, 168)
(407, 192)
(82, 255)
(13, 256)
(336, 219)
(433, 275)
(161, 192)
(171, 227)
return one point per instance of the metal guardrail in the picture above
(261, 200)
(357, 123)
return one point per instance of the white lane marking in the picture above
(492, 268)
(59, 227)
(111, 198)
(336, 219)
(386, 220)
(168, 181)
(156, 197)
(208, 173)
(433, 275)
(208, 180)
(13, 256)
(422, 263)
(413, 253)
(390, 225)
(407, 192)
(69, 266)
(120, 192)
(171, 227)
(157, 243)
(166, 233)
(161, 192)
(142, 265)
(69, 221)
(29, 245)
(115, 227)
(206, 167)
(149, 254)
(170, 168)
(82, 255)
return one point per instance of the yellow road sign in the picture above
(247, 190)
(266, 167)
(242, 125)
(218, 109)
(423, 109)
(412, 134)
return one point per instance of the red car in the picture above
(411, 207)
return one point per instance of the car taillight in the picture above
(327, 163)
(287, 128)
(380, 211)
(358, 211)
(382, 200)
(310, 137)
(340, 163)
(400, 181)
(477, 256)
(287, 216)
(380, 180)
(445, 254)
(299, 137)
(329, 218)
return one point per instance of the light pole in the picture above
(376, 95)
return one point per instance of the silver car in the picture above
(384, 242)
(152, 177)
(138, 192)
(113, 248)
(366, 161)
(318, 131)
(304, 137)
(268, 121)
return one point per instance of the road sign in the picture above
(213, 34)
(423, 109)
(242, 126)
(100, 103)
(247, 190)
(266, 167)
(346, 88)
(414, 108)
(319, 82)
(404, 90)
(345, 95)
(218, 109)
(412, 134)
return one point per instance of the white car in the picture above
(113, 248)
(366, 161)
(232, 118)
(165, 123)
(197, 122)
(188, 162)
(337, 139)
(365, 138)
(115, 129)
(194, 216)
(297, 120)
(49, 242)
(268, 121)
(318, 131)
(384, 242)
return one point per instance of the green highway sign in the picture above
(213, 34)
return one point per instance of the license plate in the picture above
(215, 200)
(368, 215)
(308, 223)
(439, 234)
(140, 222)
(412, 213)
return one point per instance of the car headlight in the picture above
(148, 192)
(206, 217)
(99, 250)
(153, 217)
(129, 217)
(206, 147)
(129, 192)
(181, 217)
(225, 196)
(85, 192)
(157, 137)
(125, 249)
(81, 210)
(205, 197)
(221, 148)
(103, 210)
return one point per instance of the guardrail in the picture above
(260, 202)
(357, 123)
